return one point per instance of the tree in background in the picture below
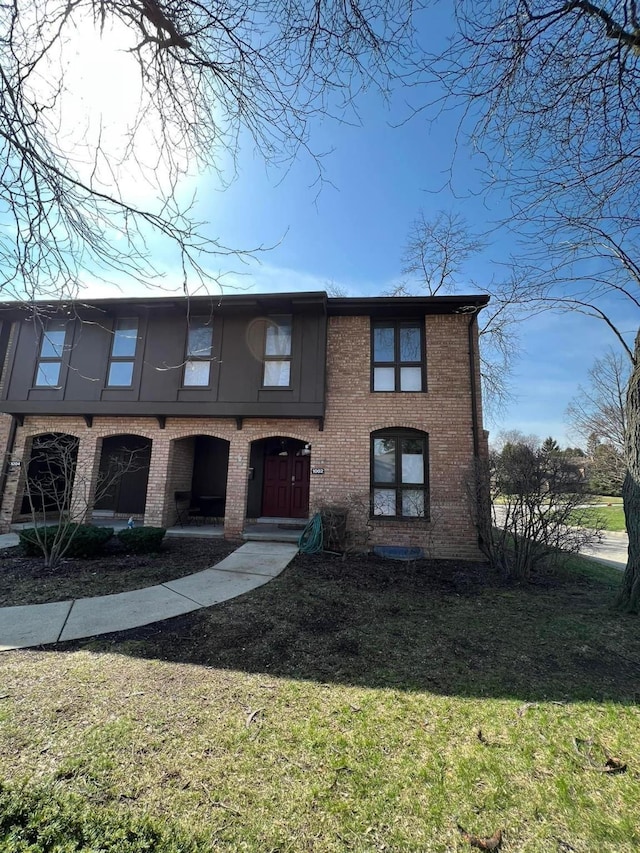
(606, 467)
(208, 78)
(598, 410)
(552, 94)
(550, 447)
(597, 414)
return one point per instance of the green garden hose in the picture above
(310, 541)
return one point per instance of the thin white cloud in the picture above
(238, 278)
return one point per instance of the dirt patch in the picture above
(25, 580)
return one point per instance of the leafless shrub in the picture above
(529, 509)
(60, 492)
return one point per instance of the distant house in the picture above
(256, 406)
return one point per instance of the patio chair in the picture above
(186, 512)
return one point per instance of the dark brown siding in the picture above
(236, 371)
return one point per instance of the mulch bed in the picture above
(25, 580)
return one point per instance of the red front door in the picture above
(286, 486)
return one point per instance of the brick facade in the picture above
(342, 448)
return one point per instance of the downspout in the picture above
(481, 509)
(474, 388)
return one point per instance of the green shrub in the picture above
(84, 540)
(142, 540)
(43, 821)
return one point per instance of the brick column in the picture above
(158, 507)
(14, 485)
(235, 510)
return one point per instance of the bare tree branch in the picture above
(550, 96)
(600, 408)
(211, 77)
(434, 259)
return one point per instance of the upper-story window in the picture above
(123, 352)
(197, 365)
(397, 348)
(277, 353)
(50, 357)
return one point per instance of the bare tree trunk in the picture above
(629, 598)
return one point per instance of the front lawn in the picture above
(604, 517)
(356, 705)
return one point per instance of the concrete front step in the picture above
(270, 533)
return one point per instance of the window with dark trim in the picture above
(277, 353)
(399, 474)
(50, 355)
(123, 353)
(397, 355)
(197, 365)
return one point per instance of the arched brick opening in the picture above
(198, 474)
(278, 478)
(50, 474)
(123, 476)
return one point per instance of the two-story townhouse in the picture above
(269, 405)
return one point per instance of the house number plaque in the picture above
(317, 470)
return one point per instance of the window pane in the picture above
(410, 379)
(196, 373)
(278, 341)
(384, 460)
(200, 338)
(413, 503)
(384, 379)
(410, 344)
(120, 373)
(383, 343)
(412, 461)
(276, 373)
(53, 340)
(48, 374)
(125, 339)
(384, 502)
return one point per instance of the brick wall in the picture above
(179, 477)
(342, 449)
(444, 412)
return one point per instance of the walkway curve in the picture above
(250, 566)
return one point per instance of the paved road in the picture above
(612, 550)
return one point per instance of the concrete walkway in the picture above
(250, 566)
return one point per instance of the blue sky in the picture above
(352, 235)
(350, 231)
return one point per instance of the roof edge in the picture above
(342, 305)
(458, 304)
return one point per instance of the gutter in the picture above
(474, 387)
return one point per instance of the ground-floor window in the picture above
(399, 473)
